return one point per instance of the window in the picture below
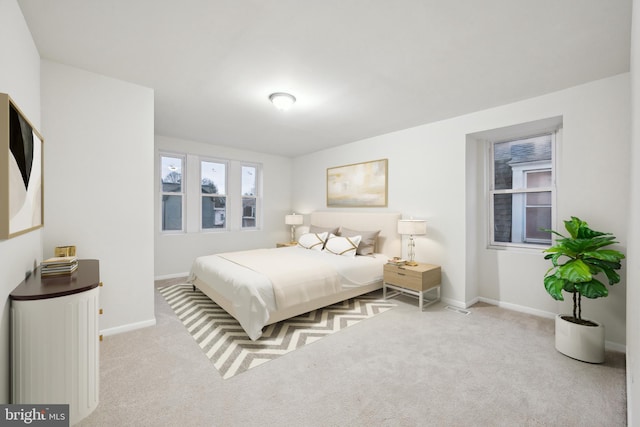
(172, 192)
(522, 191)
(249, 195)
(213, 180)
(200, 194)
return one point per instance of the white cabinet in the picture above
(55, 341)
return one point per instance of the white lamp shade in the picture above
(293, 219)
(413, 227)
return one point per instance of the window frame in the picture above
(531, 243)
(202, 159)
(182, 193)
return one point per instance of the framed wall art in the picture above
(358, 185)
(21, 185)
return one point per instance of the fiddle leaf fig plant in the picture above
(577, 259)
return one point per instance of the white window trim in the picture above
(183, 159)
(492, 244)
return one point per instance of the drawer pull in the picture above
(401, 274)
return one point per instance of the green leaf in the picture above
(606, 267)
(575, 246)
(586, 233)
(575, 271)
(612, 276)
(554, 257)
(554, 287)
(592, 289)
(548, 230)
(604, 255)
(573, 226)
(599, 242)
(602, 265)
(559, 249)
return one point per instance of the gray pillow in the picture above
(318, 230)
(368, 243)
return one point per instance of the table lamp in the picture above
(412, 227)
(293, 220)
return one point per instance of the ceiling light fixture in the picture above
(282, 101)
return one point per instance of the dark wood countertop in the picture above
(35, 287)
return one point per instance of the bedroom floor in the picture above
(493, 367)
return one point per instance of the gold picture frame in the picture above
(358, 185)
(21, 169)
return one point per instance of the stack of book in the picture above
(58, 265)
(397, 261)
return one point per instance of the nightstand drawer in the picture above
(419, 278)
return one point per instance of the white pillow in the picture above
(313, 241)
(346, 246)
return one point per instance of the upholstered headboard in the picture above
(389, 241)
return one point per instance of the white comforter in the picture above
(252, 292)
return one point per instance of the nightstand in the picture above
(413, 280)
(286, 244)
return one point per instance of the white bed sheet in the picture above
(252, 293)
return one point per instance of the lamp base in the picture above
(411, 263)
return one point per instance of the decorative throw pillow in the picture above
(314, 241)
(328, 230)
(368, 243)
(345, 246)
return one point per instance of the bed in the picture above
(263, 286)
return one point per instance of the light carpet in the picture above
(227, 345)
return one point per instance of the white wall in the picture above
(428, 178)
(174, 253)
(592, 174)
(20, 78)
(633, 259)
(98, 185)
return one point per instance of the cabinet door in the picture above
(55, 348)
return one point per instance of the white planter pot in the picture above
(585, 343)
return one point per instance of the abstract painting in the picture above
(21, 189)
(358, 185)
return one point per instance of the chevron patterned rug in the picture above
(226, 344)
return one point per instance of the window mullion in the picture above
(523, 190)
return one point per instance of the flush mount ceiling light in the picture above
(282, 101)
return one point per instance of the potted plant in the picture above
(577, 259)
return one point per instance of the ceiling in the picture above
(358, 68)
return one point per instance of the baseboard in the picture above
(171, 276)
(520, 308)
(128, 327)
(614, 346)
(459, 304)
(608, 345)
(453, 302)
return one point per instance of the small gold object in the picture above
(65, 251)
